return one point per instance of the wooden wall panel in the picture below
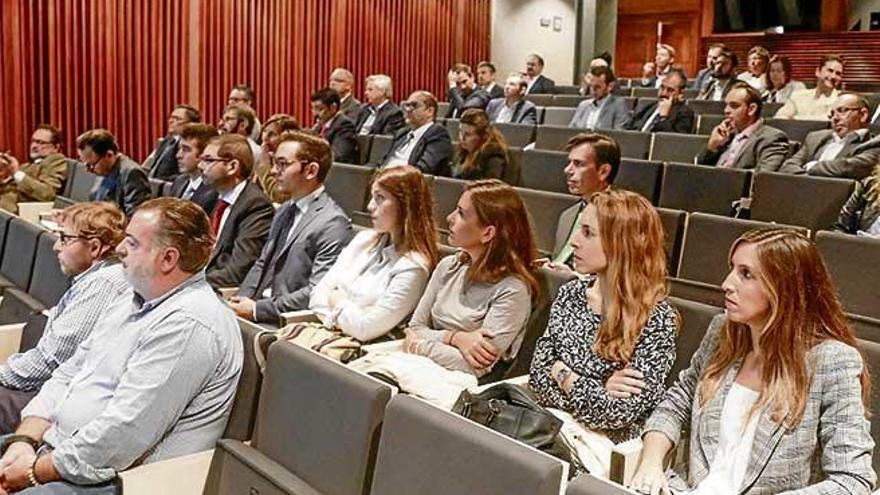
(636, 39)
(123, 64)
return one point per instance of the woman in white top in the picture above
(378, 278)
(775, 396)
(780, 85)
(758, 60)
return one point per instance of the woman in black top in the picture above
(482, 152)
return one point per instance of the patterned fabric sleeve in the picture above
(540, 381)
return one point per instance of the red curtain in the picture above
(123, 64)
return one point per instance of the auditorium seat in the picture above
(512, 173)
(701, 188)
(82, 183)
(704, 263)
(644, 101)
(640, 176)
(442, 108)
(5, 218)
(695, 318)
(317, 428)
(633, 144)
(567, 100)
(446, 194)
(516, 134)
(706, 106)
(158, 187)
(549, 282)
(797, 130)
(543, 170)
(554, 137)
(674, 147)
(812, 202)
(563, 89)
(559, 116)
(673, 232)
(770, 109)
(545, 208)
(365, 142)
(247, 394)
(707, 123)
(48, 283)
(631, 102)
(19, 253)
(854, 264)
(871, 356)
(452, 127)
(380, 146)
(624, 82)
(688, 94)
(541, 100)
(624, 91)
(68, 181)
(349, 186)
(428, 451)
(644, 92)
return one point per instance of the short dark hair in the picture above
(459, 67)
(752, 95)
(678, 71)
(605, 148)
(244, 114)
(712, 46)
(604, 56)
(327, 96)
(192, 113)
(603, 70)
(247, 90)
(100, 141)
(731, 55)
(311, 148)
(184, 226)
(830, 58)
(537, 57)
(488, 65)
(54, 131)
(283, 121)
(235, 147)
(427, 98)
(200, 133)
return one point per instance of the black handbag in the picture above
(514, 411)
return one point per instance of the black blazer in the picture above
(680, 119)
(388, 120)
(543, 85)
(432, 152)
(496, 92)
(204, 196)
(130, 186)
(342, 139)
(458, 103)
(239, 243)
(162, 163)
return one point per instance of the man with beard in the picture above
(40, 179)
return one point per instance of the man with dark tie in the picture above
(162, 162)
(333, 126)
(379, 115)
(486, 79)
(668, 113)
(241, 218)
(463, 92)
(190, 184)
(847, 150)
(423, 144)
(307, 234)
(123, 182)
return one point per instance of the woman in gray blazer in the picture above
(775, 396)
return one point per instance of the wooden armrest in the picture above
(227, 292)
(185, 475)
(301, 316)
(389, 346)
(10, 340)
(30, 211)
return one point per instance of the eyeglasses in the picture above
(210, 160)
(281, 163)
(67, 239)
(843, 110)
(411, 105)
(41, 142)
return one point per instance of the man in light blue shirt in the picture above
(156, 378)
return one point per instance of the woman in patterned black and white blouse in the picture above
(610, 341)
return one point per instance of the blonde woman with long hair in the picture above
(610, 340)
(775, 397)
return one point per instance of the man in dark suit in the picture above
(704, 75)
(423, 144)
(342, 81)
(379, 115)
(123, 182)
(464, 93)
(513, 107)
(723, 77)
(668, 113)
(190, 184)
(538, 84)
(847, 150)
(162, 162)
(333, 126)
(742, 140)
(307, 234)
(244, 96)
(240, 220)
(486, 79)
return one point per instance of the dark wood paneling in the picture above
(637, 40)
(122, 65)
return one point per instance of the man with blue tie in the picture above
(123, 182)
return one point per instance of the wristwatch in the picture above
(562, 375)
(32, 473)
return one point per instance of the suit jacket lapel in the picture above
(767, 437)
(307, 218)
(517, 110)
(229, 225)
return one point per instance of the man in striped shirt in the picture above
(87, 236)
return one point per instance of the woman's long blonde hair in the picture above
(804, 312)
(632, 239)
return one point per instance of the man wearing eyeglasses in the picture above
(123, 182)
(87, 236)
(40, 179)
(242, 214)
(848, 149)
(423, 144)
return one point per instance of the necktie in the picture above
(188, 193)
(285, 224)
(217, 216)
(732, 153)
(564, 254)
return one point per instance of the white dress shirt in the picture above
(401, 156)
(230, 196)
(367, 126)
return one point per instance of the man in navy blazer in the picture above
(538, 83)
(190, 184)
(464, 93)
(424, 144)
(668, 113)
(513, 107)
(307, 234)
(332, 125)
(378, 115)
(486, 79)
(162, 161)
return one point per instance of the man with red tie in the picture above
(332, 125)
(241, 219)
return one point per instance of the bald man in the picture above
(342, 81)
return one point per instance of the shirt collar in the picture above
(598, 103)
(859, 132)
(748, 131)
(303, 203)
(195, 182)
(418, 132)
(380, 105)
(231, 196)
(92, 269)
(143, 307)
